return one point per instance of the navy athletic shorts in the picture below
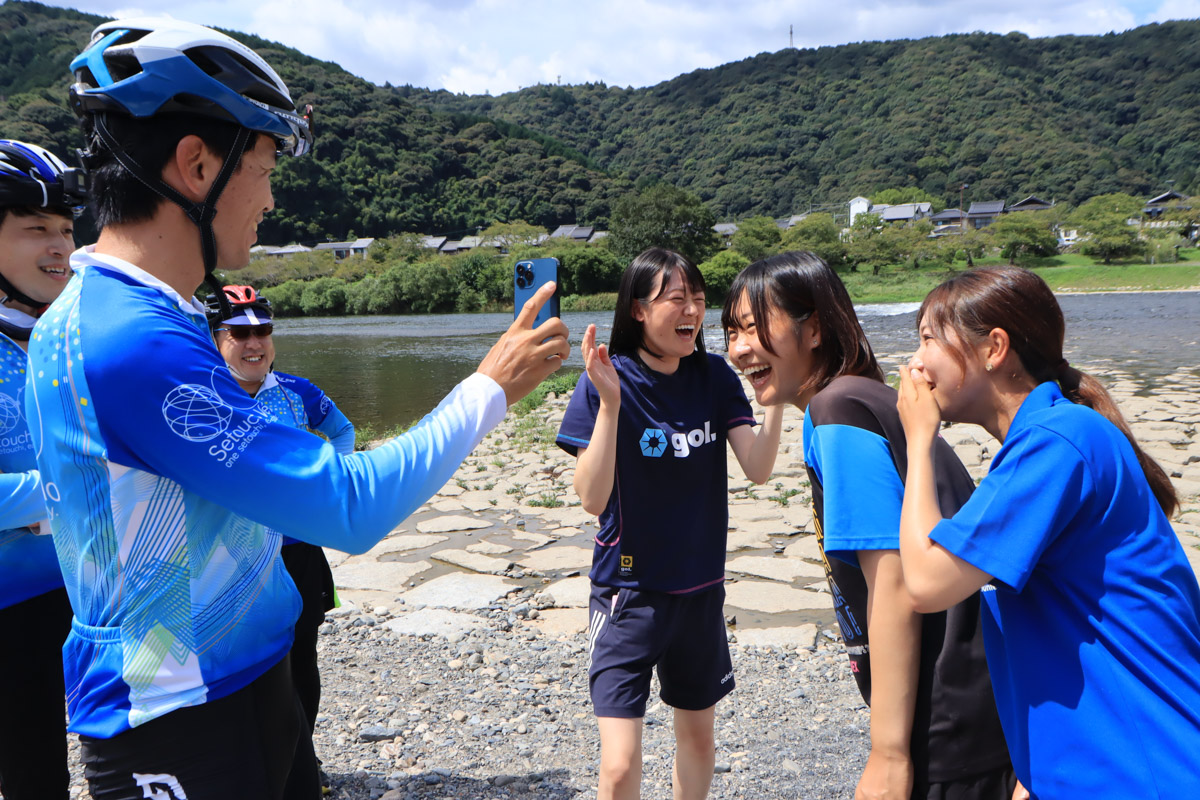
(632, 632)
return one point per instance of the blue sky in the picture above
(478, 46)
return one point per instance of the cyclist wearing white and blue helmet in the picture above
(168, 489)
(244, 334)
(39, 199)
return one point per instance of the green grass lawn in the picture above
(1063, 273)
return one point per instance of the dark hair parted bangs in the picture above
(1018, 302)
(1013, 299)
(800, 284)
(637, 284)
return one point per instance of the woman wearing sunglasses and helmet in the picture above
(242, 333)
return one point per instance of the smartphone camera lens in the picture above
(524, 276)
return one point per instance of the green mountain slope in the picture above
(1065, 117)
(382, 165)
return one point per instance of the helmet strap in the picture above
(219, 291)
(13, 293)
(201, 214)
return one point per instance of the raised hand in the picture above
(919, 411)
(600, 369)
(525, 356)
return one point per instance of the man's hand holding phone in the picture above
(525, 356)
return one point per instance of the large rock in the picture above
(745, 540)
(772, 598)
(777, 569)
(459, 590)
(558, 558)
(404, 543)
(478, 501)
(561, 621)
(489, 548)
(805, 547)
(386, 576)
(570, 592)
(536, 539)
(476, 562)
(452, 523)
(567, 516)
(435, 622)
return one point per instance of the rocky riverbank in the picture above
(457, 666)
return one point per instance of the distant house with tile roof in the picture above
(1157, 206)
(342, 250)
(1031, 203)
(984, 213)
(285, 250)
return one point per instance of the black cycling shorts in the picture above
(240, 747)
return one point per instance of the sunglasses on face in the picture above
(243, 332)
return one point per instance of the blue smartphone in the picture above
(528, 277)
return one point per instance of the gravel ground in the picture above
(504, 712)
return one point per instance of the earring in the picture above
(988, 367)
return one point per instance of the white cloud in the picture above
(499, 45)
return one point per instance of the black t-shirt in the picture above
(854, 450)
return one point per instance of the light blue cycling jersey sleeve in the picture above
(28, 563)
(21, 502)
(322, 413)
(339, 429)
(193, 424)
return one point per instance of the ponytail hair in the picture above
(1017, 301)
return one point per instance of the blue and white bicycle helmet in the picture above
(34, 177)
(147, 66)
(143, 67)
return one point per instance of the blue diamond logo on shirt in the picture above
(654, 442)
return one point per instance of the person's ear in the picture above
(192, 168)
(995, 348)
(813, 333)
(637, 311)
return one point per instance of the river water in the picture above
(385, 371)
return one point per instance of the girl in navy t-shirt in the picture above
(649, 424)
(1092, 612)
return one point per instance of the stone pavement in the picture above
(509, 518)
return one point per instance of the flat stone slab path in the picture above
(510, 519)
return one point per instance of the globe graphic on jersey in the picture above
(196, 413)
(10, 414)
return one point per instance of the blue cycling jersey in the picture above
(167, 489)
(301, 403)
(28, 566)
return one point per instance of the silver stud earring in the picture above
(988, 367)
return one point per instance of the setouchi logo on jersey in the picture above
(199, 414)
(654, 441)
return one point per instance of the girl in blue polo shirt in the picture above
(649, 424)
(1091, 610)
(793, 332)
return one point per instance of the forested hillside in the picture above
(1067, 118)
(382, 165)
